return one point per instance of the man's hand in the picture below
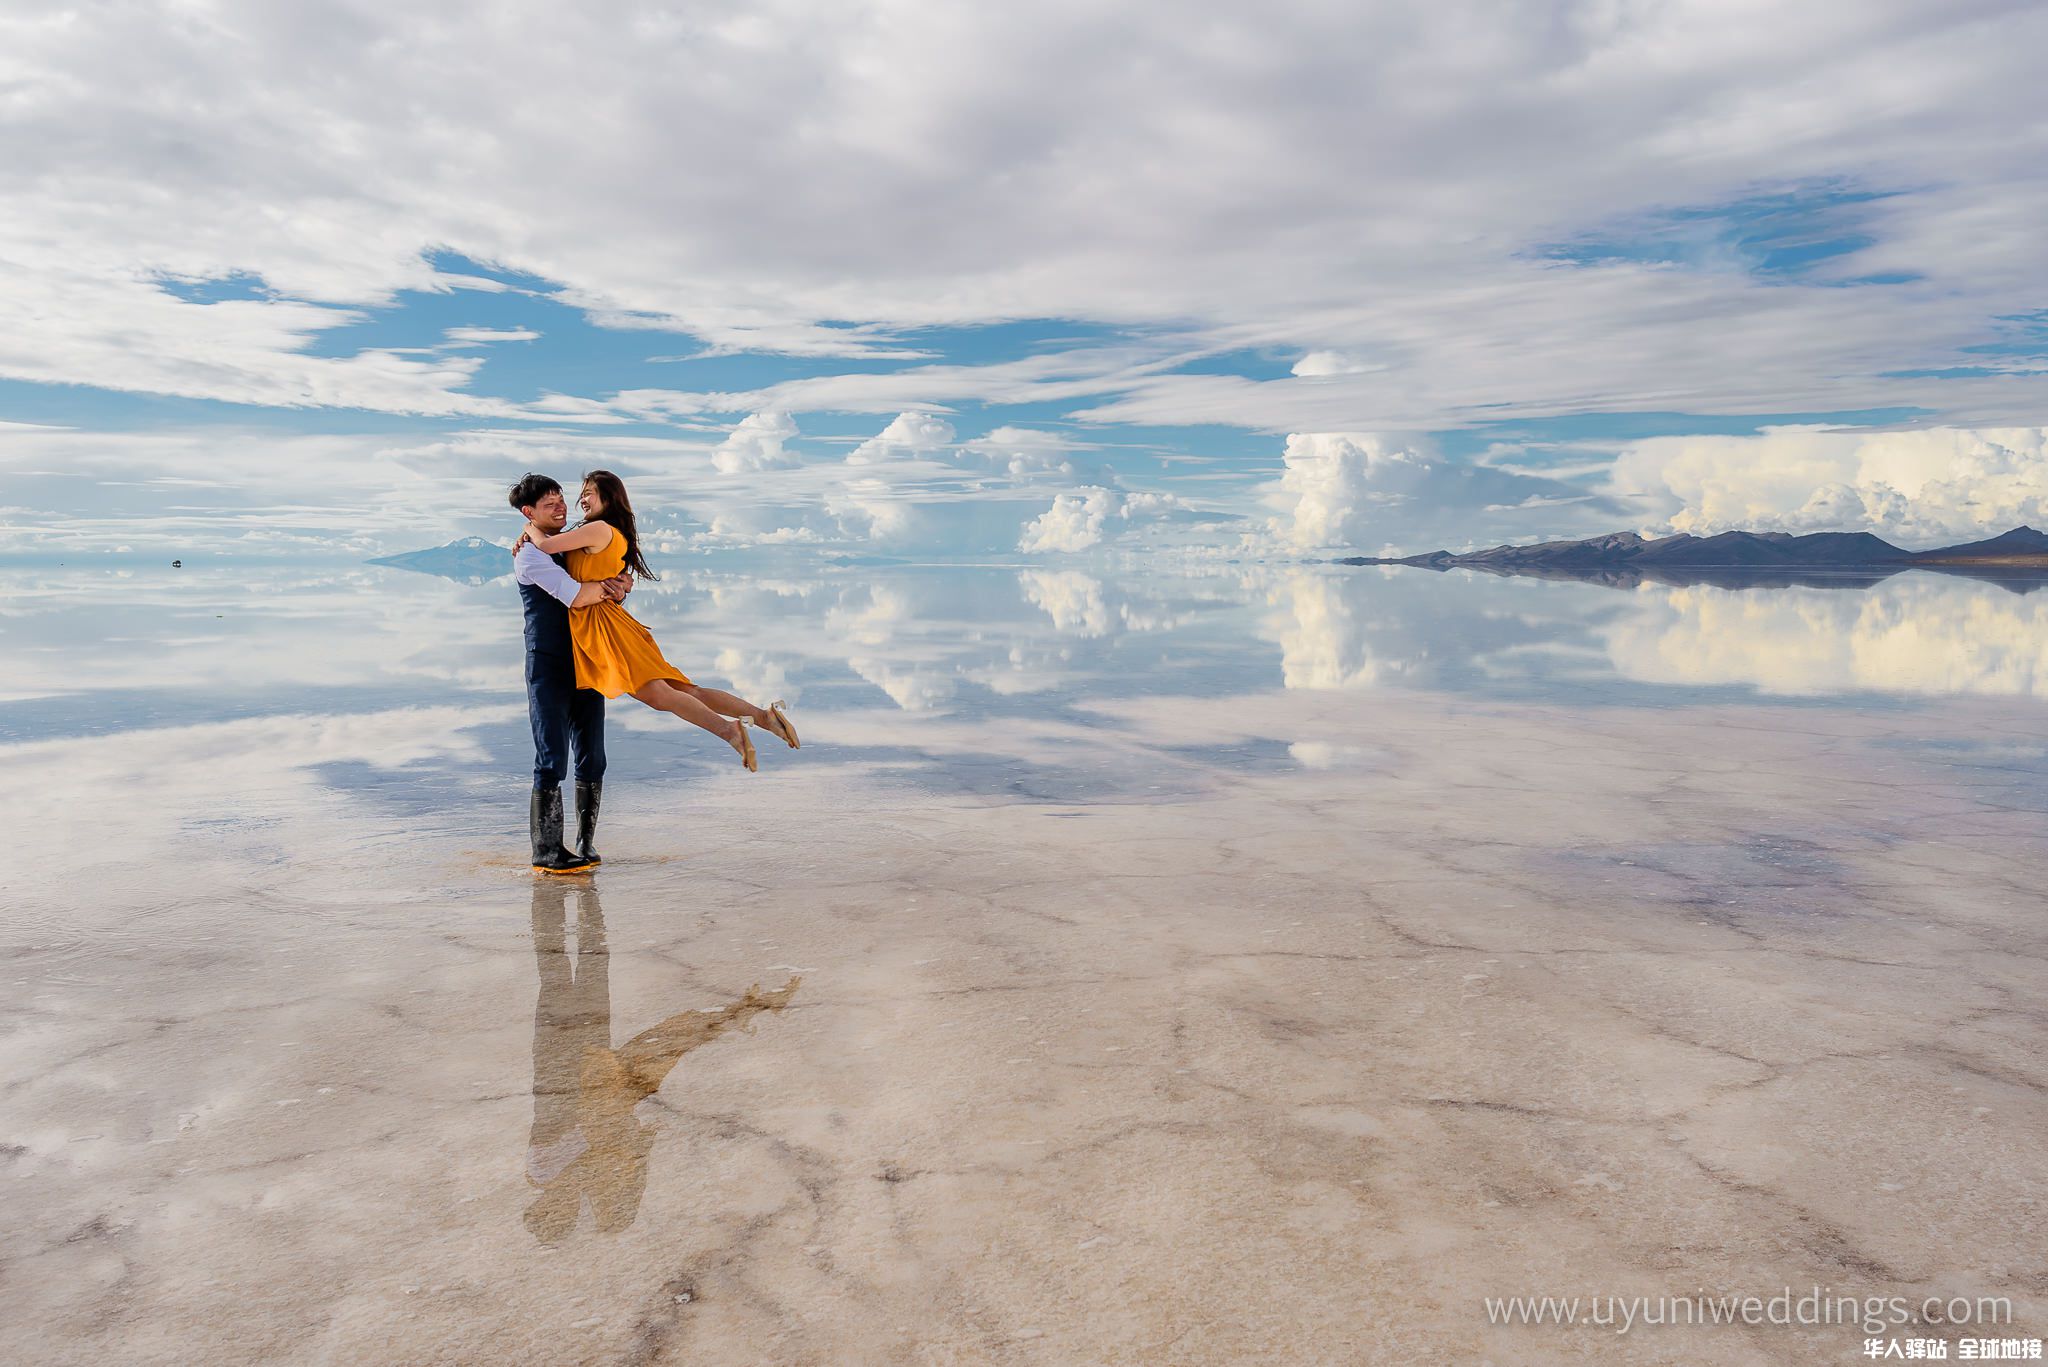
(618, 587)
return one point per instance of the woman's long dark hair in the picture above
(618, 511)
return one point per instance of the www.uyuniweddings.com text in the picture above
(1816, 1307)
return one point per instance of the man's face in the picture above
(551, 514)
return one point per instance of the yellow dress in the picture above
(614, 654)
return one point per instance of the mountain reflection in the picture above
(587, 1145)
(1738, 577)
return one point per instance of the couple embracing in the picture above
(583, 647)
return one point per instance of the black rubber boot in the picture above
(544, 823)
(587, 795)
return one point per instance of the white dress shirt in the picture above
(533, 566)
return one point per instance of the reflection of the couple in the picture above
(587, 1144)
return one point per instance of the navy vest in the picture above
(547, 621)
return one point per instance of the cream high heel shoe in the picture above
(746, 746)
(779, 724)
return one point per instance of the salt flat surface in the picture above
(1253, 966)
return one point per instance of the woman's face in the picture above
(590, 502)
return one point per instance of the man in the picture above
(563, 715)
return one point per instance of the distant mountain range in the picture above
(1740, 557)
(471, 560)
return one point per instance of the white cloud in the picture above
(1404, 180)
(1368, 494)
(1151, 503)
(480, 336)
(1330, 477)
(1410, 188)
(1074, 522)
(569, 408)
(63, 321)
(911, 434)
(1919, 488)
(757, 444)
(1025, 453)
(1318, 363)
(245, 489)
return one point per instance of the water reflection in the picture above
(2013, 580)
(1908, 635)
(587, 1146)
(1839, 636)
(1379, 628)
(989, 642)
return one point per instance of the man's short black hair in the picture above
(531, 489)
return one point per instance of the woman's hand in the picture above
(529, 534)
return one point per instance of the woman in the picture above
(614, 653)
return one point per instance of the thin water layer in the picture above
(1235, 965)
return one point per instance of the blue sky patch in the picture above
(1786, 236)
(216, 290)
(2023, 335)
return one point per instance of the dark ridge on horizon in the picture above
(2022, 548)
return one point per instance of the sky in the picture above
(1029, 282)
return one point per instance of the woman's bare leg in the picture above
(663, 696)
(729, 705)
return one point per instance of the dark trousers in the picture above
(563, 716)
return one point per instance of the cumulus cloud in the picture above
(1366, 493)
(1918, 488)
(757, 444)
(1074, 522)
(1152, 503)
(1330, 477)
(911, 434)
